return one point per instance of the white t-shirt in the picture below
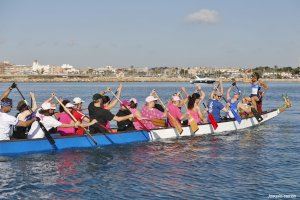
(6, 121)
(36, 131)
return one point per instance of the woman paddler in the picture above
(193, 105)
(133, 103)
(81, 117)
(174, 108)
(20, 132)
(149, 112)
(46, 118)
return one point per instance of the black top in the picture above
(102, 116)
(159, 107)
(125, 125)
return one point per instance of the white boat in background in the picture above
(202, 80)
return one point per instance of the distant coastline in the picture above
(33, 79)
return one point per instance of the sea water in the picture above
(256, 163)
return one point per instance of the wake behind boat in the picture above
(15, 147)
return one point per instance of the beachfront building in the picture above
(40, 69)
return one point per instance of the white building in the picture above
(40, 69)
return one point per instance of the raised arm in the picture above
(7, 91)
(221, 86)
(263, 84)
(50, 98)
(201, 92)
(228, 93)
(114, 102)
(34, 105)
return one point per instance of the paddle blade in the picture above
(212, 121)
(159, 122)
(174, 123)
(193, 125)
(236, 116)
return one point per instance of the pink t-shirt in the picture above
(174, 111)
(195, 116)
(64, 118)
(136, 124)
(152, 113)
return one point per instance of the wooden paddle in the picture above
(211, 118)
(159, 122)
(193, 124)
(75, 120)
(46, 132)
(174, 123)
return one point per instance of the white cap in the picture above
(150, 98)
(69, 105)
(133, 99)
(175, 98)
(46, 106)
(77, 100)
(53, 106)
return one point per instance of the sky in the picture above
(151, 32)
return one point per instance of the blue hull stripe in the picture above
(41, 145)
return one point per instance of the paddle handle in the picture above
(161, 102)
(66, 110)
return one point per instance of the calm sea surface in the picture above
(249, 164)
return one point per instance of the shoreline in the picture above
(38, 79)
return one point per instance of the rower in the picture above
(79, 116)
(174, 108)
(109, 104)
(46, 118)
(133, 103)
(193, 107)
(150, 112)
(96, 111)
(257, 85)
(24, 114)
(245, 108)
(215, 106)
(126, 125)
(234, 101)
(65, 118)
(7, 121)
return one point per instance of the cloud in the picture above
(203, 16)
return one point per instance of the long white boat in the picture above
(202, 80)
(15, 147)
